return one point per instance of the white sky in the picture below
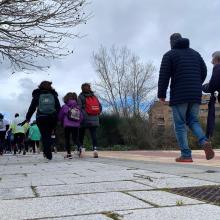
(144, 26)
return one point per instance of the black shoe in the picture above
(24, 152)
(80, 151)
(68, 156)
(48, 154)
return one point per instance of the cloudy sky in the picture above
(144, 26)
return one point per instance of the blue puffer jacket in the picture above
(187, 71)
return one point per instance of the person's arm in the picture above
(203, 69)
(164, 76)
(57, 104)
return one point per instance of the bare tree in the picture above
(125, 83)
(33, 31)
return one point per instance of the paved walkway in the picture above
(163, 156)
(101, 189)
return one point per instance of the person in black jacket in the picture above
(212, 87)
(45, 100)
(187, 71)
(214, 83)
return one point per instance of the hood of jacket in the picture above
(182, 43)
(71, 103)
(86, 94)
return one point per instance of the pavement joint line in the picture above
(118, 210)
(200, 202)
(78, 174)
(91, 213)
(114, 181)
(92, 170)
(142, 200)
(113, 215)
(38, 196)
(135, 181)
(34, 190)
(66, 195)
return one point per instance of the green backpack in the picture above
(47, 104)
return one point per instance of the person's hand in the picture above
(162, 101)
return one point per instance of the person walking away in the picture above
(45, 101)
(187, 71)
(18, 129)
(70, 117)
(4, 126)
(26, 140)
(212, 87)
(91, 109)
(34, 137)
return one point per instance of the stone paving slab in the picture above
(161, 198)
(90, 188)
(175, 182)
(67, 205)
(200, 212)
(16, 193)
(214, 177)
(99, 178)
(24, 182)
(85, 188)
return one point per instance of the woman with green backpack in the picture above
(45, 101)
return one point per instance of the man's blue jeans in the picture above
(187, 115)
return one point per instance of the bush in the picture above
(136, 132)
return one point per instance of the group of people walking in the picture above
(181, 65)
(16, 138)
(76, 115)
(187, 71)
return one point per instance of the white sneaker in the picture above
(95, 154)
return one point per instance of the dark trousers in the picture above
(2, 141)
(46, 125)
(74, 133)
(33, 144)
(92, 131)
(19, 142)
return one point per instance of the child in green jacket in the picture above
(34, 136)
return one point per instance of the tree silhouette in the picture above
(33, 31)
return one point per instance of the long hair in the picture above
(45, 85)
(69, 96)
(86, 87)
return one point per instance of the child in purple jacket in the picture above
(70, 116)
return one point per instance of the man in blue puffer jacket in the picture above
(187, 71)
